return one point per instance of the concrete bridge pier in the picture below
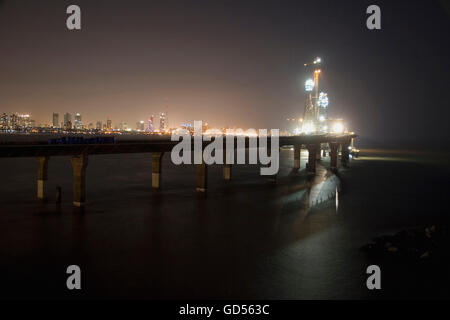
(345, 153)
(156, 169)
(79, 164)
(333, 156)
(227, 171)
(297, 154)
(202, 177)
(42, 176)
(318, 153)
(312, 154)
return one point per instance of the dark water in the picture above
(248, 238)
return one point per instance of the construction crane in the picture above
(315, 117)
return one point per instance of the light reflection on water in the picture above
(245, 239)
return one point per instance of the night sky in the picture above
(232, 63)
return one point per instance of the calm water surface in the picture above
(248, 238)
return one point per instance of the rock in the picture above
(421, 243)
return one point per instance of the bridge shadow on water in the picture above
(239, 240)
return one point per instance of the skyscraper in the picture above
(67, 121)
(108, 124)
(78, 124)
(99, 125)
(4, 121)
(55, 120)
(150, 124)
(14, 121)
(123, 126)
(140, 126)
(162, 121)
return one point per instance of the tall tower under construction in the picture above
(316, 103)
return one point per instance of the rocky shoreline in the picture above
(421, 244)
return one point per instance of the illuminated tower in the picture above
(55, 120)
(67, 121)
(313, 115)
(150, 124)
(78, 124)
(4, 121)
(162, 121)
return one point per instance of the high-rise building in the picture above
(140, 126)
(4, 121)
(24, 121)
(162, 121)
(67, 121)
(14, 121)
(123, 126)
(150, 124)
(77, 123)
(20, 121)
(99, 125)
(108, 124)
(55, 120)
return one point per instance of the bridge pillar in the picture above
(42, 176)
(297, 153)
(227, 171)
(156, 169)
(318, 153)
(333, 156)
(79, 164)
(312, 154)
(202, 177)
(344, 153)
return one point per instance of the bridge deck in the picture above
(42, 149)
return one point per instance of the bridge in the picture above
(80, 153)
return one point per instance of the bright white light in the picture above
(297, 131)
(309, 85)
(338, 127)
(308, 127)
(213, 132)
(323, 99)
(322, 118)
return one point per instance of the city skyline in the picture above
(241, 64)
(9, 120)
(224, 150)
